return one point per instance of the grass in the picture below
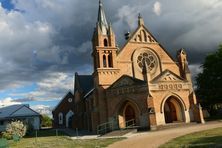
(208, 138)
(47, 139)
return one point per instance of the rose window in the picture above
(148, 58)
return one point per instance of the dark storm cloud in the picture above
(21, 100)
(51, 36)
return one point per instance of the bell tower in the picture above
(104, 48)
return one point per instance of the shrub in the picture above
(7, 135)
(15, 128)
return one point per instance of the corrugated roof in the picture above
(7, 112)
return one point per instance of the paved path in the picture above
(156, 138)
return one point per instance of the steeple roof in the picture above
(101, 21)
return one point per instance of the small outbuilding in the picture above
(19, 112)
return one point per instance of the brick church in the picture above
(139, 84)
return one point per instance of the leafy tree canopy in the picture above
(209, 82)
(46, 121)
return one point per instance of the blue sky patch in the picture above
(7, 4)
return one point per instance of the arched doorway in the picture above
(69, 117)
(128, 115)
(70, 122)
(173, 110)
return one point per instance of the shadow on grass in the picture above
(45, 133)
(214, 141)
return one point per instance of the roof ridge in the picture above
(17, 109)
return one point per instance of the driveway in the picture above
(154, 139)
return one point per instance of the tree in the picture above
(209, 81)
(46, 121)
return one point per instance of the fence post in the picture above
(56, 133)
(36, 135)
(77, 133)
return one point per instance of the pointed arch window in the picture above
(140, 38)
(104, 61)
(144, 36)
(150, 39)
(60, 118)
(105, 42)
(110, 60)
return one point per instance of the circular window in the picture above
(149, 58)
(70, 100)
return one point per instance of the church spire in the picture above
(101, 21)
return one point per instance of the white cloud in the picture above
(195, 70)
(53, 87)
(212, 3)
(157, 8)
(48, 37)
(42, 109)
(7, 102)
(56, 80)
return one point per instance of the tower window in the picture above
(104, 61)
(105, 42)
(110, 60)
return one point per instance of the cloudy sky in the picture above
(43, 42)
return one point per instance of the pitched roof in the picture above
(126, 80)
(168, 72)
(84, 83)
(68, 94)
(10, 111)
(147, 30)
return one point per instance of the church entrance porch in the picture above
(69, 118)
(128, 115)
(173, 110)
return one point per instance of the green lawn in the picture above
(208, 138)
(47, 139)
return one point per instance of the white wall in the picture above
(36, 123)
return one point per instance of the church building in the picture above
(137, 85)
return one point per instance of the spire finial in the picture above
(139, 16)
(102, 19)
(140, 20)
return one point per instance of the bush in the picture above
(7, 136)
(15, 128)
